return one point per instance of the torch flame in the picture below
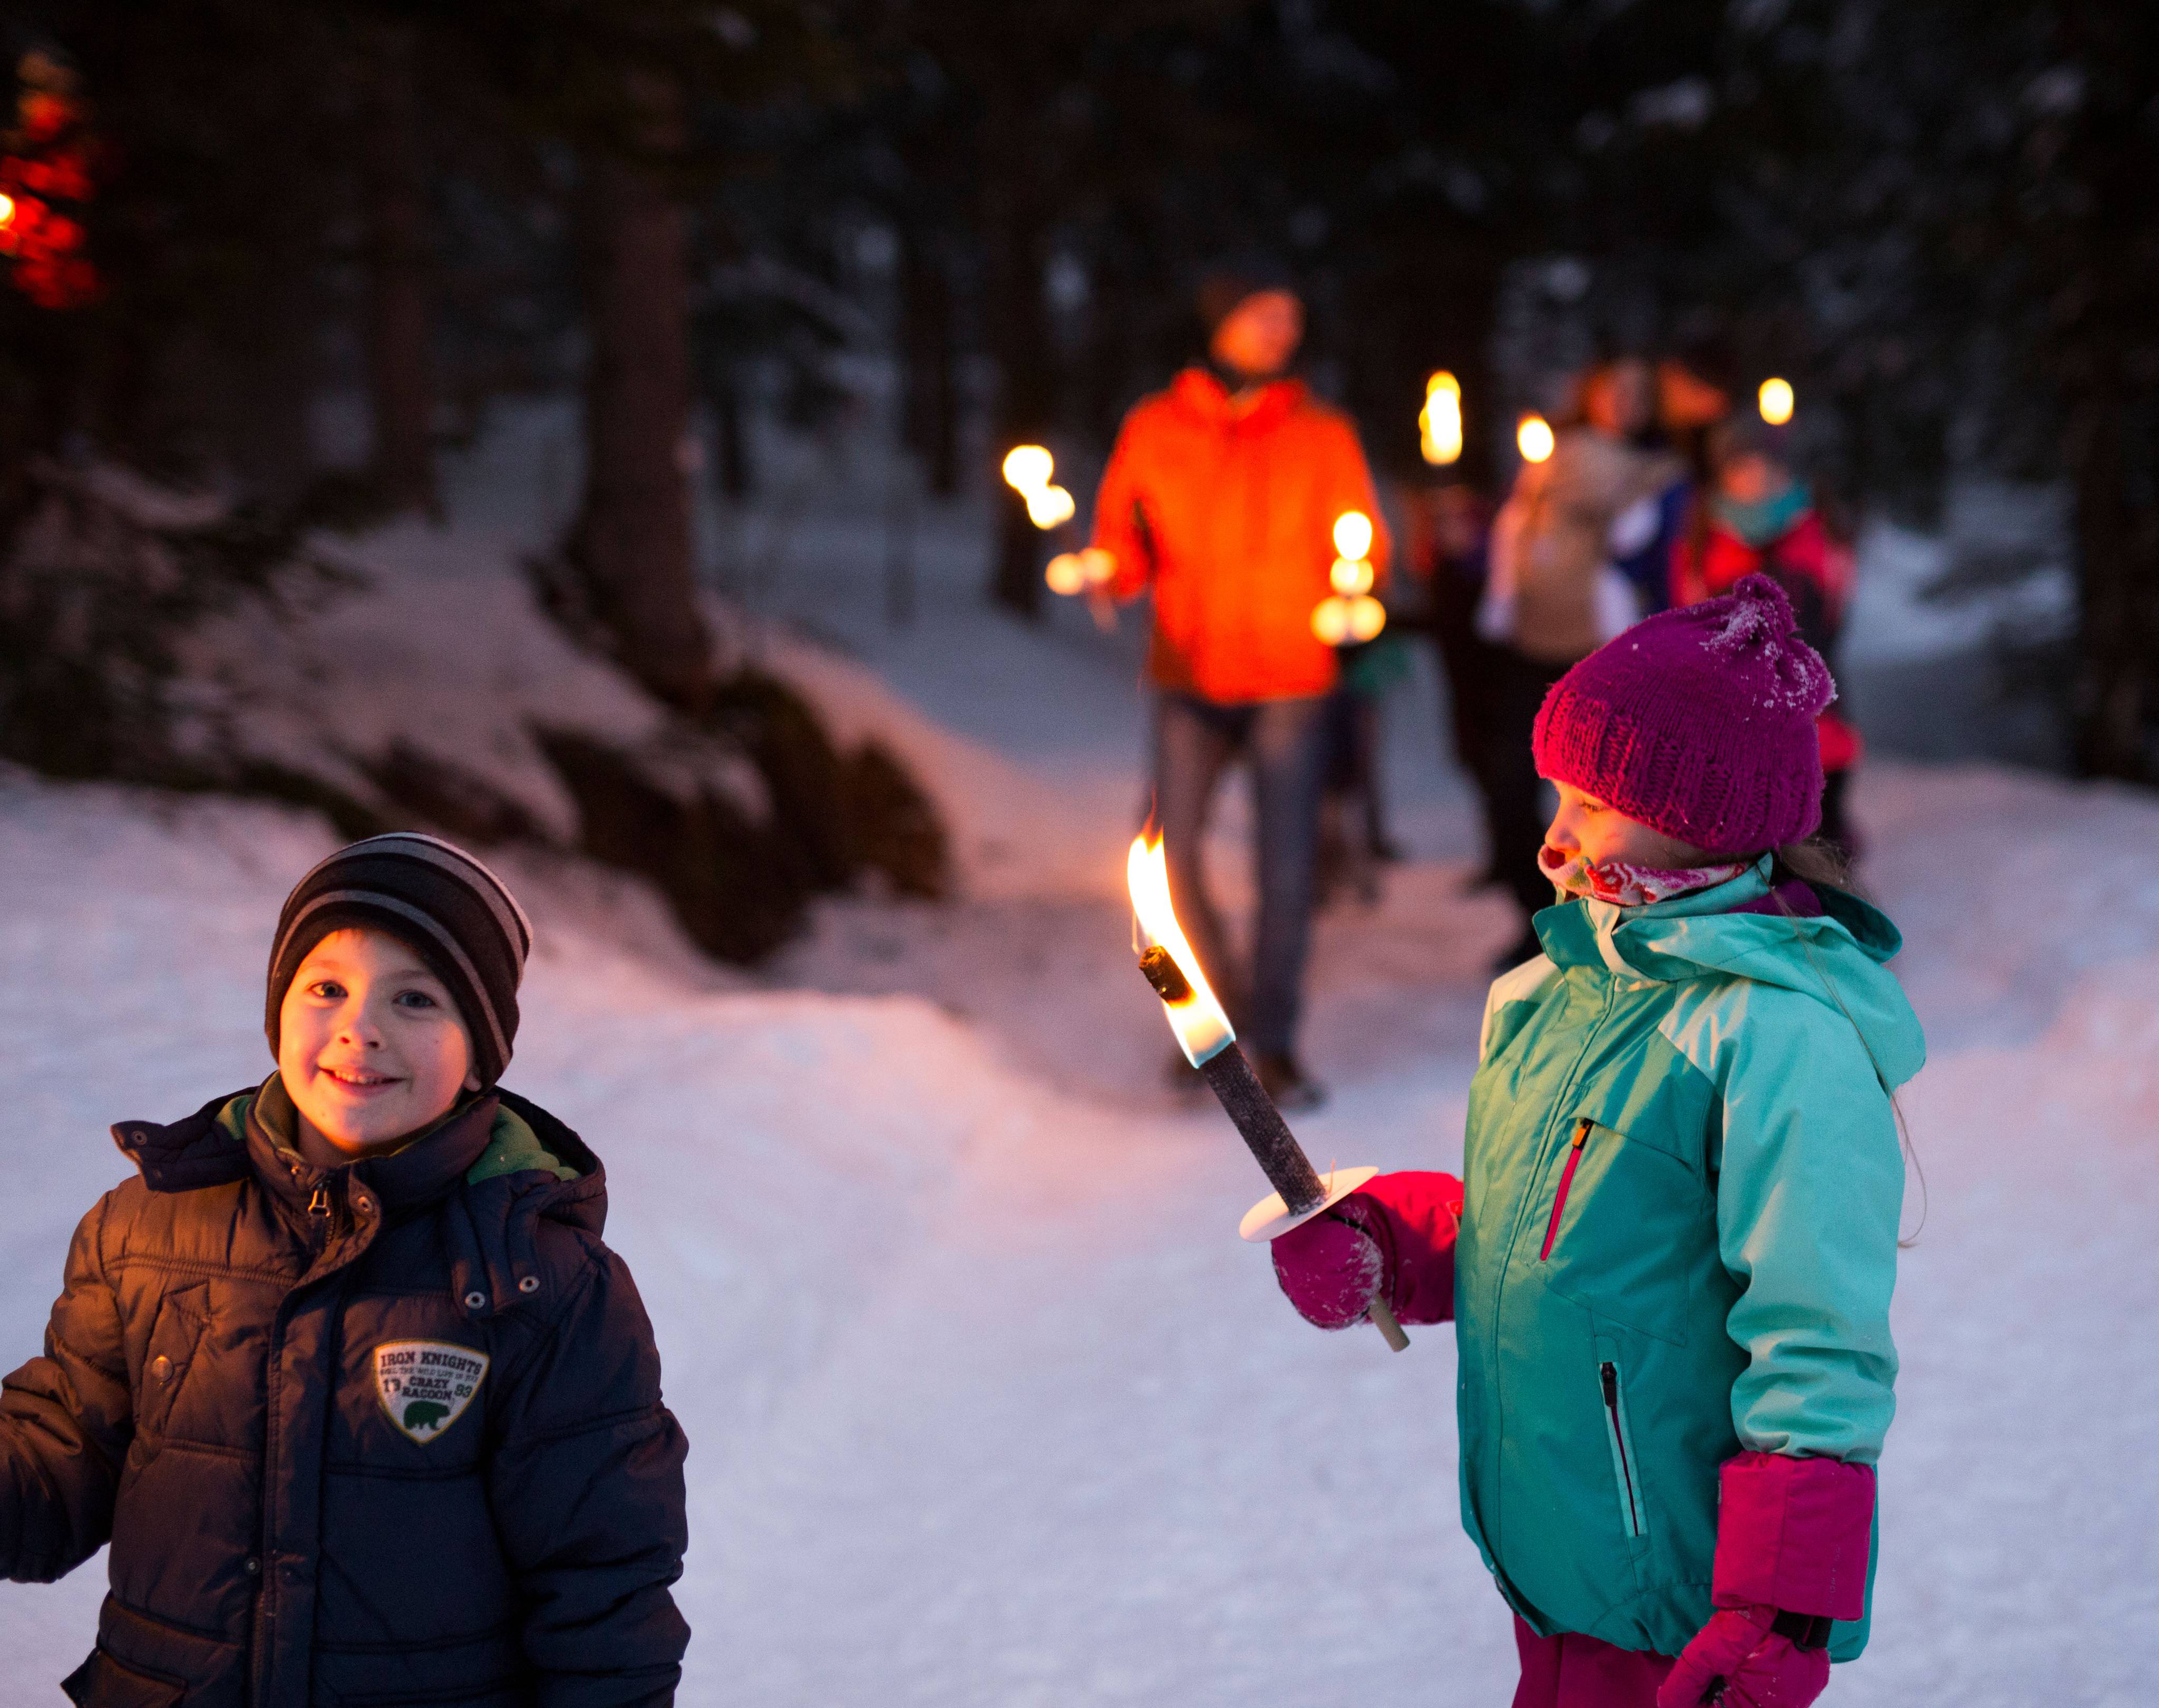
(1203, 1030)
(1351, 576)
(1353, 534)
(1535, 439)
(7, 211)
(1439, 422)
(1027, 467)
(1774, 400)
(1049, 507)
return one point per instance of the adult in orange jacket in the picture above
(1220, 497)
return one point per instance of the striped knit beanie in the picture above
(438, 901)
(1698, 722)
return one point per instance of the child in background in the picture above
(1671, 1255)
(366, 1409)
(1760, 517)
(1690, 404)
(1354, 839)
(1553, 596)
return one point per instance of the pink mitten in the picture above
(1793, 1536)
(1395, 1234)
(1756, 1666)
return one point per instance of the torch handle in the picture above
(1391, 1331)
(1252, 1112)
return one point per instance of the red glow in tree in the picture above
(48, 175)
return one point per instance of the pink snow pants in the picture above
(1573, 1671)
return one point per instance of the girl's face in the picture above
(1751, 479)
(1587, 827)
(370, 1045)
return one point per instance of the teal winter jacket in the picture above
(1682, 1186)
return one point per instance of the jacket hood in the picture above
(1839, 959)
(1201, 392)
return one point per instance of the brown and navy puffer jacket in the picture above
(389, 1434)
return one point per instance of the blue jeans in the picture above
(1286, 741)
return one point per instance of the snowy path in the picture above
(988, 1405)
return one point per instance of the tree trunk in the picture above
(2106, 343)
(632, 541)
(931, 413)
(273, 363)
(2114, 700)
(1016, 226)
(400, 371)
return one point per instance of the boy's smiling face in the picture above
(370, 1046)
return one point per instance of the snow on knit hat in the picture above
(450, 910)
(1698, 722)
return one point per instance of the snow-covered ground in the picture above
(988, 1406)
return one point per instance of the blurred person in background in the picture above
(1354, 839)
(1694, 392)
(1554, 596)
(1220, 496)
(1448, 555)
(1758, 516)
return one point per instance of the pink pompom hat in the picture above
(1698, 722)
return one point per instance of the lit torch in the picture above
(1209, 1043)
(1350, 612)
(1027, 471)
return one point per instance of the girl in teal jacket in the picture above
(1671, 1255)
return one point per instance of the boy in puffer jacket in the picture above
(366, 1408)
(1670, 1256)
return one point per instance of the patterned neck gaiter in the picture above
(1629, 886)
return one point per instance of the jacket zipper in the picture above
(1566, 1179)
(1608, 1373)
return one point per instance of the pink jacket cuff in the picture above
(1794, 1535)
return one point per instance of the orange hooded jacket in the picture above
(1229, 514)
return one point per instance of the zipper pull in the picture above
(1566, 1179)
(319, 1204)
(1610, 1374)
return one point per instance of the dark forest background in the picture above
(1936, 219)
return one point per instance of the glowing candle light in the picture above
(1049, 507)
(1028, 469)
(1351, 575)
(1353, 534)
(1535, 439)
(1439, 422)
(1775, 401)
(1351, 614)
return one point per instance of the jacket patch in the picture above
(425, 1386)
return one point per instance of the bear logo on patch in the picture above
(425, 1386)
